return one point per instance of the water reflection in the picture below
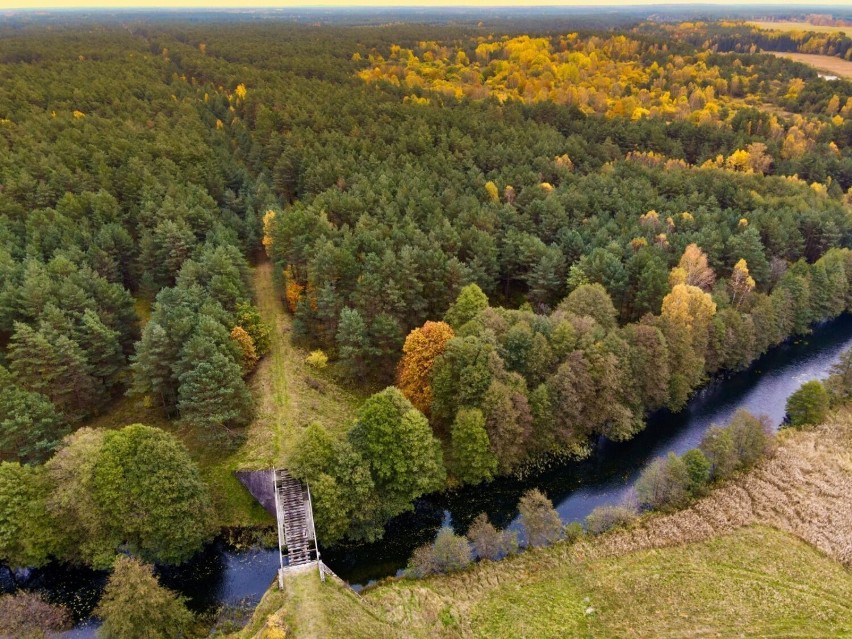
(607, 476)
(224, 575)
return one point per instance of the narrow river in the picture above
(222, 575)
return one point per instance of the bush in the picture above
(539, 518)
(752, 437)
(839, 383)
(698, 469)
(572, 532)
(135, 606)
(718, 447)
(317, 359)
(604, 518)
(664, 484)
(448, 553)
(490, 543)
(27, 615)
(808, 405)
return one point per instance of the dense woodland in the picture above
(727, 36)
(538, 239)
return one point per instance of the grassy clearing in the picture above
(762, 556)
(754, 582)
(289, 396)
(798, 26)
(824, 63)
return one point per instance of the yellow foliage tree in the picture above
(695, 270)
(493, 192)
(241, 91)
(246, 344)
(292, 289)
(741, 283)
(268, 217)
(692, 309)
(422, 346)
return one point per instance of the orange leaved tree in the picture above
(422, 346)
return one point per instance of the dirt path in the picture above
(289, 394)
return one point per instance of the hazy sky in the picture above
(73, 4)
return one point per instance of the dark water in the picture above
(224, 575)
(606, 477)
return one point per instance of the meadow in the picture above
(765, 555)
(798, 26)
(825, 63)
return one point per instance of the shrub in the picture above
(246, 347)
(752, 437)
(604, 518)
(27, 615)
(808, 405)
(718, 446)
(135, 606)
(448, 553)
(572, 532)
(839, 383)
(539, 518)
(317, 359)
(664, 484)
(490, 543)
(698, 469)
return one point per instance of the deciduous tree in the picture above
(135, 606)
(414, 374)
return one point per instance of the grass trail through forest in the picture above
(289, 394)
(274, 405)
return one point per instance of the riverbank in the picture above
(577, 487)
(766, 554)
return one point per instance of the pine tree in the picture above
(353, 342)
(29, 426)
(212, 393)
(152, 372)
(57, 370)
(102, 348)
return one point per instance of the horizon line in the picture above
(218, 5)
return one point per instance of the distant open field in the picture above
(825, 63)
(798, 26)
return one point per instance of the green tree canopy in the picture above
(135, 606)
(395, 440)
(470, 302)
(808, 405)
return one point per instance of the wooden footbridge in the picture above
(297, 537)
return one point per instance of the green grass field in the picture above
(755, 582)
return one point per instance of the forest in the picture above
(509, 245)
